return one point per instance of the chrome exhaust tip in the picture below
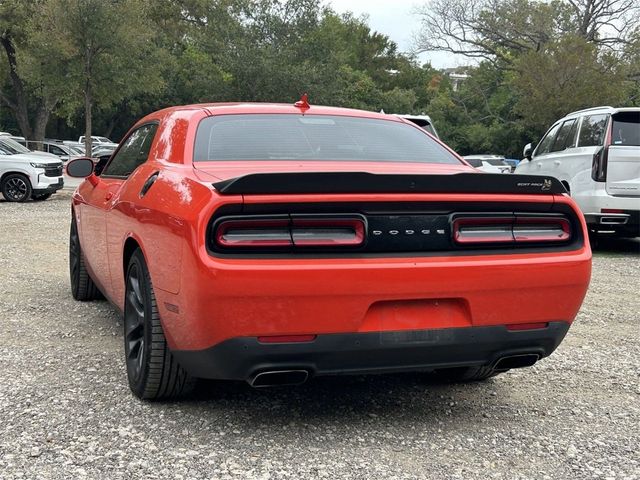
(516, 361)
(276, 378)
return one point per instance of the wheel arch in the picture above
(15, 172)
(131, 244)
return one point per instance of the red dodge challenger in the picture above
(272, 243)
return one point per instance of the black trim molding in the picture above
(364, 182)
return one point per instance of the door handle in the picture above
(108, 196)
(556, 162)
(539, 165)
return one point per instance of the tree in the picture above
(27, 93)
(107, 47)
(501, 29)
(565, 76)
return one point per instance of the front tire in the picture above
(82, 286)
(16, 188)
(152, 370)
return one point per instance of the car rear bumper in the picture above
(226, 299)
(622, 220)
(373, 352)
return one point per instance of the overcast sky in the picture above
(395, 19)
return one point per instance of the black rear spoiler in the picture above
(363, 182)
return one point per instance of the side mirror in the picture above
(528, 150)
(80, 167)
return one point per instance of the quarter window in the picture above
(626, 129)
(133, 152)
(593, 130)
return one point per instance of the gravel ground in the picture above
(66, 410)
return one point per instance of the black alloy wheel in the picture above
(82, 286)
(16, 188)
(152, 371)
(134, 323)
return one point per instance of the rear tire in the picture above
(16, 188)
(464, 374)
(82, 286)
(153, 372)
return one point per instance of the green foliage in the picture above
(130, 57)
(566, 75)
(100, 46)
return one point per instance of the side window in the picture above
(593, 130)
(133, 152)
(545, 144)
(566, 137)
(56, 150)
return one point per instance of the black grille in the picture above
(53, 170)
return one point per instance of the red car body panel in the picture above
(204, 299)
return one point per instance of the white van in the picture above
(595, 153)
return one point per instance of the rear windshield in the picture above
(314, 137)
(626, 129)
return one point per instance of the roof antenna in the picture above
(303, 103)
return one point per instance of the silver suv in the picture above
(595, 153)
(25, 174)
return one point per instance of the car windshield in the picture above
(11, 147)
(314, 137)
(626, 129)
(75, 150)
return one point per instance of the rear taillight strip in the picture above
(510, 230)
(285, 232)
(254, 233)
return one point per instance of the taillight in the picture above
(599, 164)
(479, 230)
(483, 230)
(327, 232)
(296, 232)
(544, 229)
(254, 233)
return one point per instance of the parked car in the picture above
(488, 163)
(96, 140)
(238, 251)
(16, 138)
(513, 163)
(75, 146)
(423, 121)
(25, 174)
(60, 150)
(595, 153)
(100, 150)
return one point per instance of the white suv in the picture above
(25, 174)
(595, 153)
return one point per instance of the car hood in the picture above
(39, 157)
(217, 171)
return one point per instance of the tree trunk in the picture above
(40, 125)
(19, 106)
(87, 120)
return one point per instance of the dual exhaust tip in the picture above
(276, 378)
